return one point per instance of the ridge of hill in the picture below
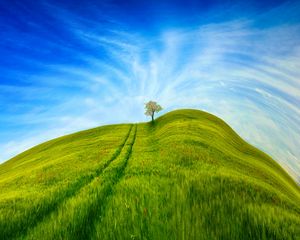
(187, 176)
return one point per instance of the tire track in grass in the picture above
(75, 219)
(45, 209)
(114, 175)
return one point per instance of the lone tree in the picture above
(152, 107)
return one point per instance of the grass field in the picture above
(187, 176)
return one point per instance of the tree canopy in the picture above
(152, 107)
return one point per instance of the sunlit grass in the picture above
(187, 176)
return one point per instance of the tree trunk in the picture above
(152, 116)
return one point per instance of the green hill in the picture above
(188, 176)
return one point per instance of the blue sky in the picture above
(71, 65)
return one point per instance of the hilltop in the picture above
(187, 176)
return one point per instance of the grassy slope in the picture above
(187, 176)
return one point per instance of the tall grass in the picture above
(186, 176)
(25, 210)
